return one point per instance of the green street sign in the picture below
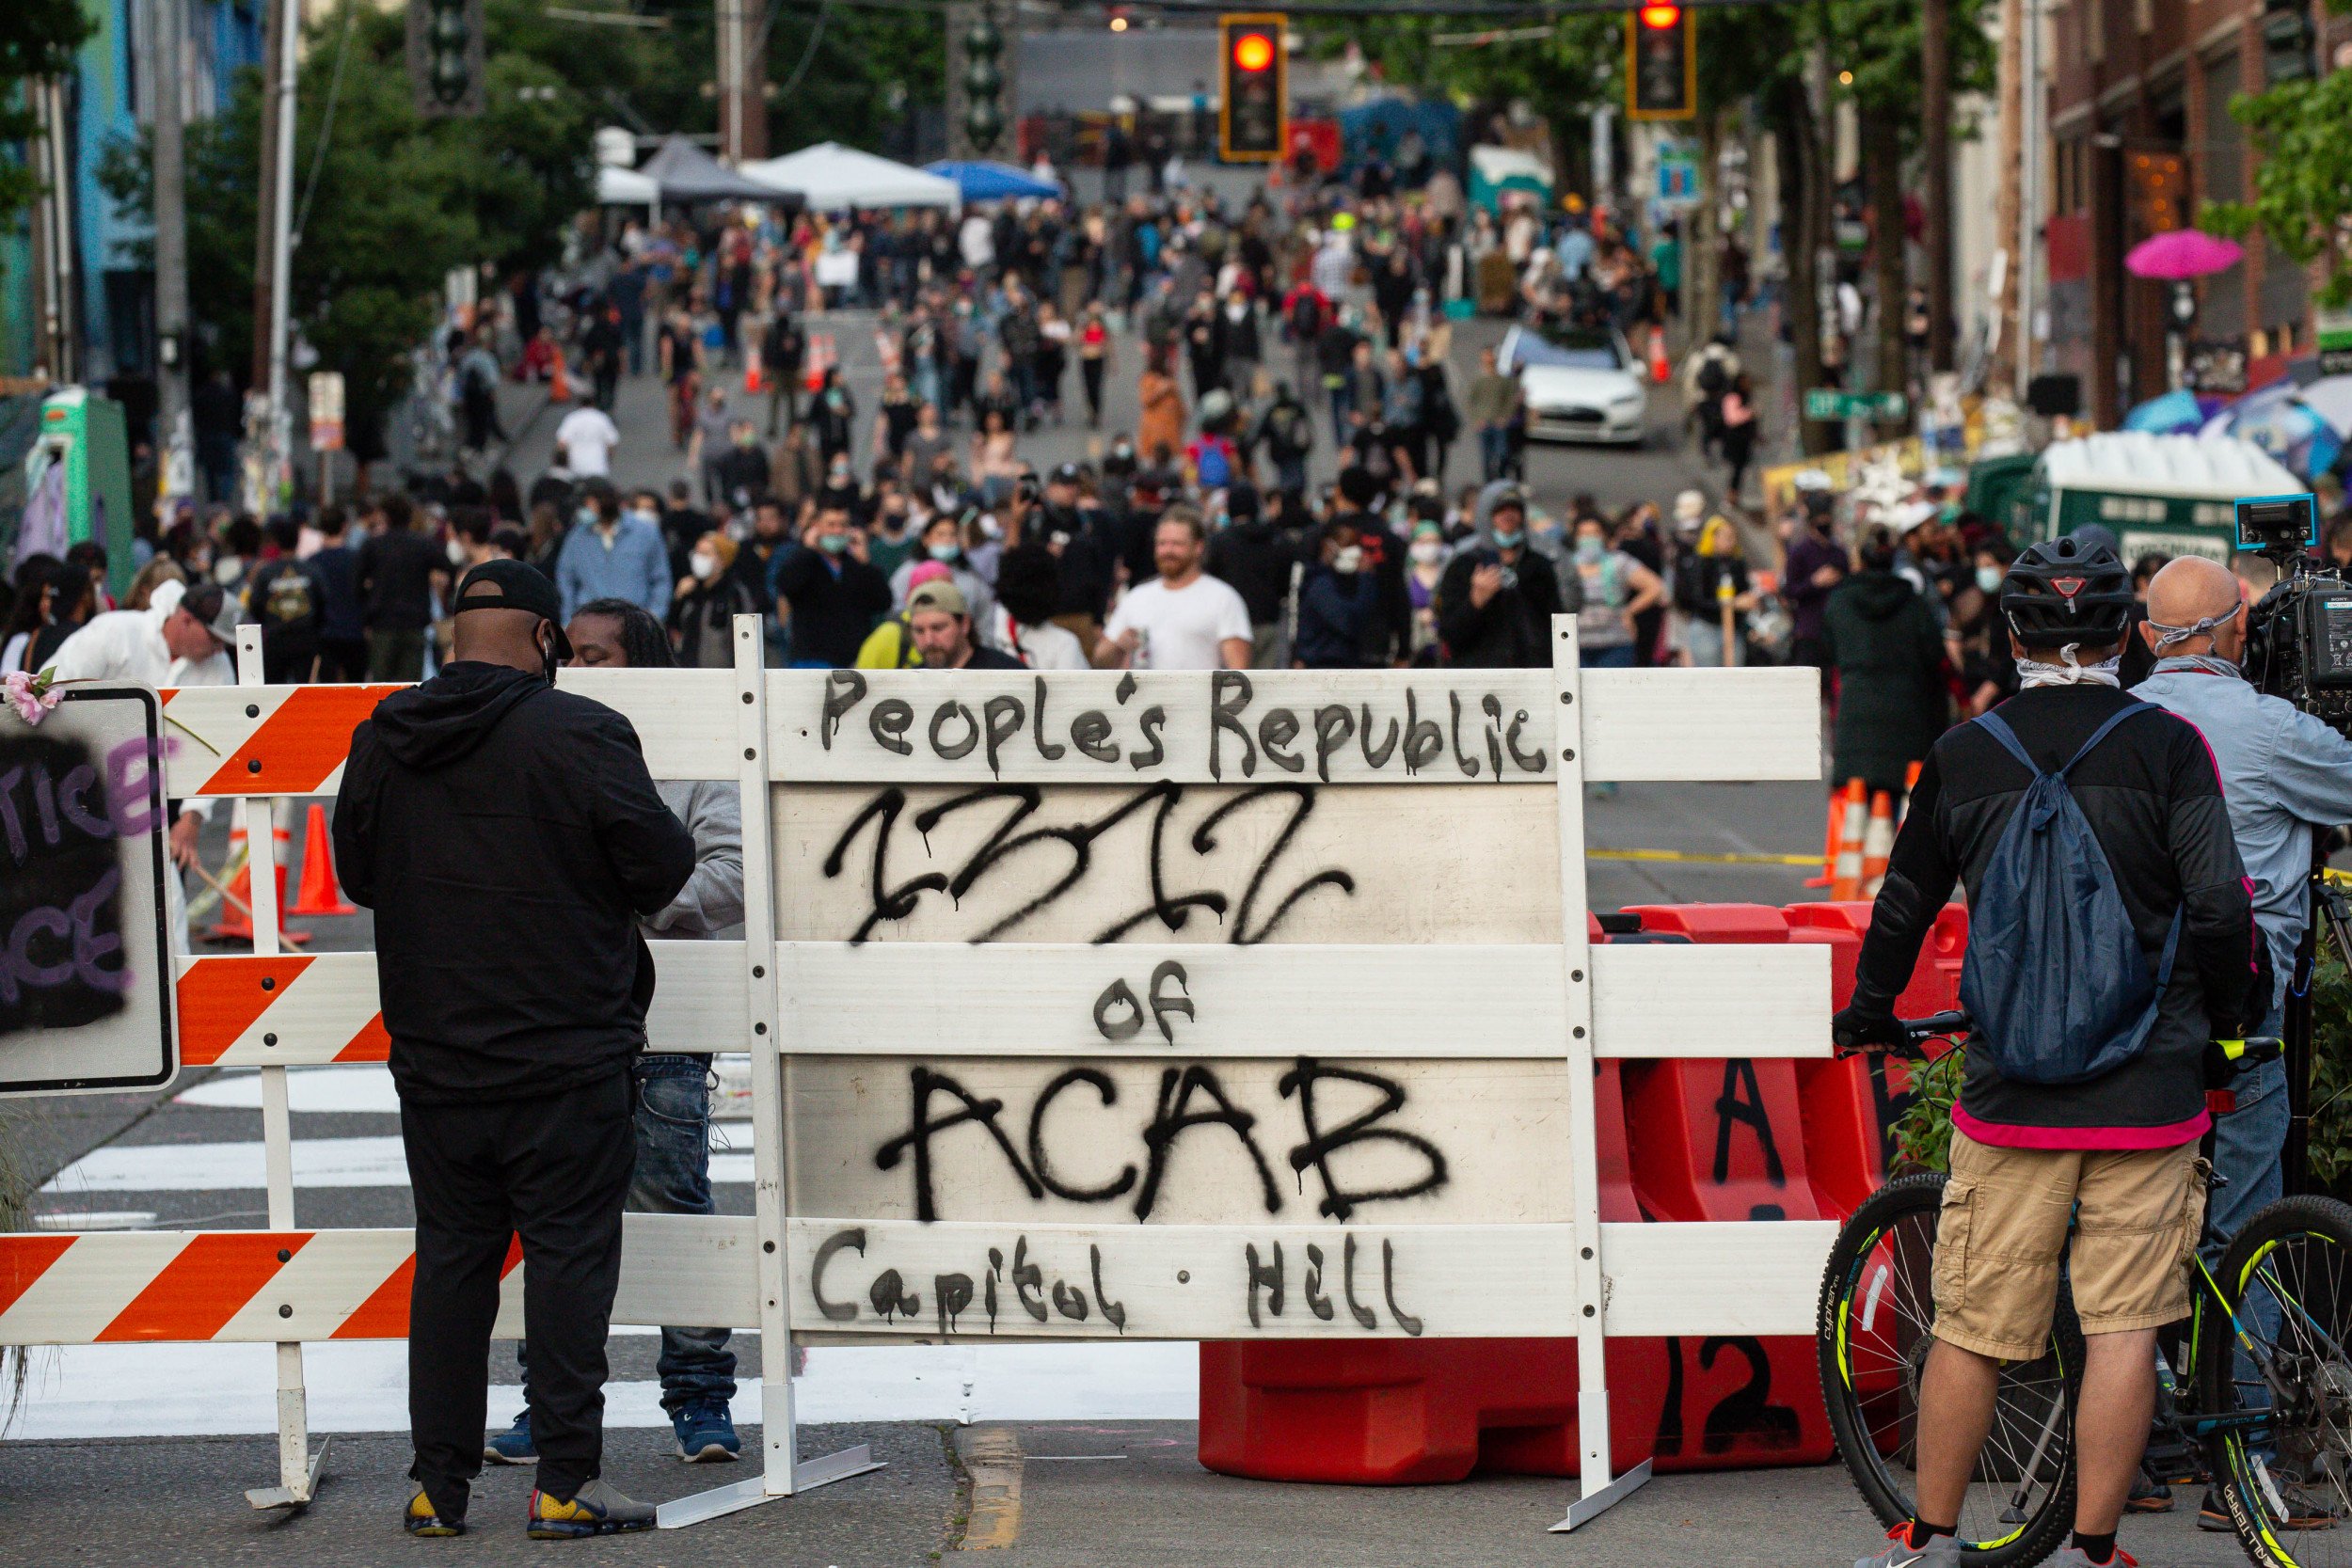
(1827, 403)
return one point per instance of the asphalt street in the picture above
(118, 1497)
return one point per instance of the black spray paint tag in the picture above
(61, 940)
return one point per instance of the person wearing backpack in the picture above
(2109, 940)
(1288, 434)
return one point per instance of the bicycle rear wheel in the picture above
(1878, 1305)
(2287, 1482)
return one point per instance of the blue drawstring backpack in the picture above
(2055, 977)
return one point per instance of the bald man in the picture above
(2285, 775)
(508, 838)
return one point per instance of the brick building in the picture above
(2140, 135)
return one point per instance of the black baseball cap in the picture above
(1068, 473)
(515, 585)
(209, 603)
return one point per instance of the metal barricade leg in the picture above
(1599, 1489)
(298, 1466)
(782, 1472)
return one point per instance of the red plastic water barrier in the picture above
(1732, 1138)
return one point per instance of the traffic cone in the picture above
(321, 894)
(1829, 842)
(559, 383)
(1877, 844)
(1911, 787)
(1662, 369)
(1847, 886)
(234, 926)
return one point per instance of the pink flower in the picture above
(31, 695)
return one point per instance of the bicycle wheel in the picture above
(1878, 1304)
(2287, 1482)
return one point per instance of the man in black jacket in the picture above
(2117, 1150)
(507, 836)
(836, 594)
(1498, 596)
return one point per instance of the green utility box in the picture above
(81, 458)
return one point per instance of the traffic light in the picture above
(2159, 183)
(983, 82)
(1253, 117)
(445, 56)
(1662, 63)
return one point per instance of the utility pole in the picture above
(264, 257)
(2029, 185)
(2012, 99)
(1935, 107)
(277, 443)
(175, 437)
(64, 304)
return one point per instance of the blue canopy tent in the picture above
(981, 181)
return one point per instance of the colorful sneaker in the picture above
(595, 1509)
(1941, 1552)
(2148, 1496)
(422, 1519)
(706, 1434)
(512, 1446)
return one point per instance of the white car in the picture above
(1580, 384)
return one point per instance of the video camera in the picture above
(2298, 637)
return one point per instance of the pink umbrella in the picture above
(2183, 253)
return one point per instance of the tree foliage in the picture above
(2303, 182)
(37, 39)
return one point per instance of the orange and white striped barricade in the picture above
(1067, 966)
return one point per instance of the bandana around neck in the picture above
(2073, 672)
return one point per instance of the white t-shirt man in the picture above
(589, 436)
(1182, 628)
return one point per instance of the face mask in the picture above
(1349, 561)
(945, 552)
(456, 553)
(1591, 552)
(643, 516)
(1121, 450)
(1509, 537)
(587, 516)
(746, 440)
(1988, 578)
(1427, 551)
(704, 565)
(1235, 312)
(992, 529)
(832, 544)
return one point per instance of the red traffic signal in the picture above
(1661, 76)
(1254, 106)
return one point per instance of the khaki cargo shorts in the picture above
(2004, 1225)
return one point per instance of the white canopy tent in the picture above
(625, 187)
(831, 177)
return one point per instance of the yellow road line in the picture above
(991, 1455)
(1695, 858)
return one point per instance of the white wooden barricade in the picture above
(1168, 1006)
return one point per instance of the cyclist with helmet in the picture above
(2118, 1150)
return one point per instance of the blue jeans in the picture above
(2247, 1145)
(1494, 449)
(1618, 658)
(673, 1176)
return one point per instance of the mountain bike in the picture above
(2264, 1390)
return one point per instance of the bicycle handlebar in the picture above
(2237, 1057)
